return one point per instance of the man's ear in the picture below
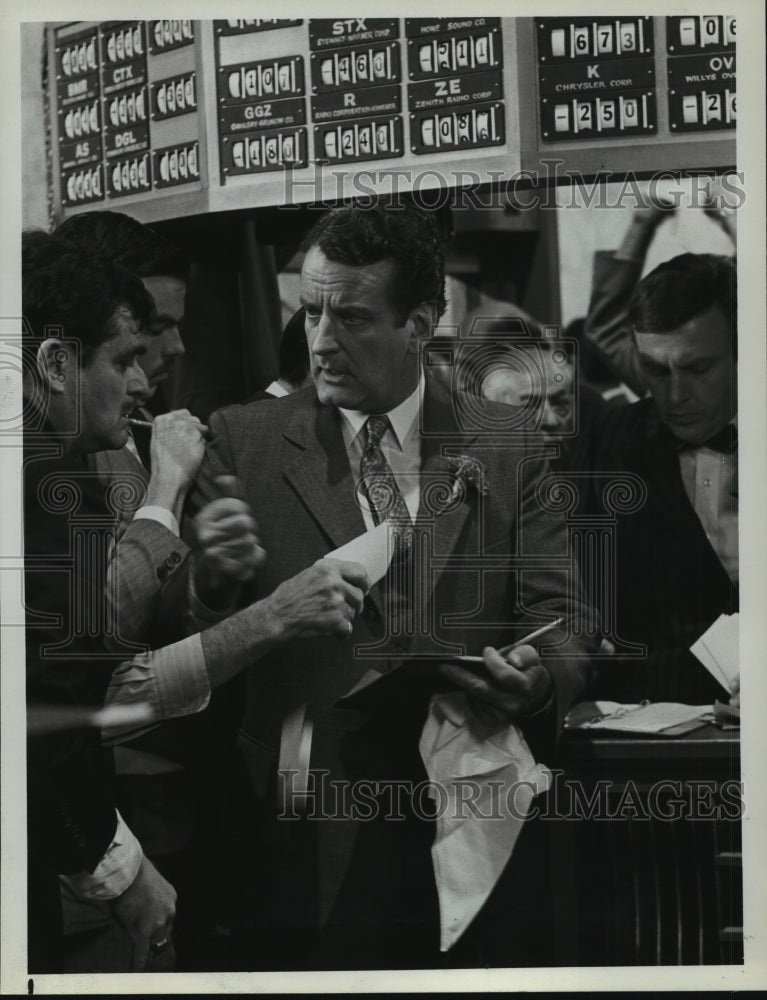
(422, 321)
(55, 361)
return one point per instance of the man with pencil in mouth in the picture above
(163, 455)
(82, 337)
(162, 781)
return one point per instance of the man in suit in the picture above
(162, 456)
(615, 276)
(314, 467)
(677, 554)
(162, 786)
(73, 825)
(81, 377)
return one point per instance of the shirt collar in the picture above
(403, 418)
(275, 389)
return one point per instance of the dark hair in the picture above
(71, 293)
(127, 242)
(685, 287)
(402, 233)
(294, 350)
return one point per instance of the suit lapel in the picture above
(440, 420)
(320, 473)
(323, 480)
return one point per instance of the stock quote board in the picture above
(171, 117)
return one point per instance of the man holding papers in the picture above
(677, 556)
(82, 337)
(475, 560)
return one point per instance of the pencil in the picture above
(524, 641)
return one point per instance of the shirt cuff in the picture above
(173, 681)
(116, 870)
(151, 512)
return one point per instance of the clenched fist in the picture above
(227, 549)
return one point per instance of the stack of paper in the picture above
(664, 718)
(718, 650)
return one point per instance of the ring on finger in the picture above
(157, 946)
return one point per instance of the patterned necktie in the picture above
(378, 485)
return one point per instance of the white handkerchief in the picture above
(373, 550)
(484, 782)
(718, 649)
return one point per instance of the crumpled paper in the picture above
(485, 781)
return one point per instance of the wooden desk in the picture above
(648, 869)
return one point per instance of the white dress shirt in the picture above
(276, 390)
(401, 446)
(711, 482)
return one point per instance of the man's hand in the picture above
(322, 600)
(514, 689)
(145, 911)
(735, 693)
(717, 207)
(642, 228)
(227, 550)
(177, 450)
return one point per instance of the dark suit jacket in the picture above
(71, 815)
(670, 585)
(290, 457)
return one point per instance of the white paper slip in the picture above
(701, 651)
(373, 550)
(718, 649)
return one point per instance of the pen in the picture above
(138, 423)
(524, 641)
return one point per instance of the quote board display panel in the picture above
(628, 93)
(168, 118)
(125, 111)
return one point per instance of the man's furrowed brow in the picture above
(135, 351)
(361, 308)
